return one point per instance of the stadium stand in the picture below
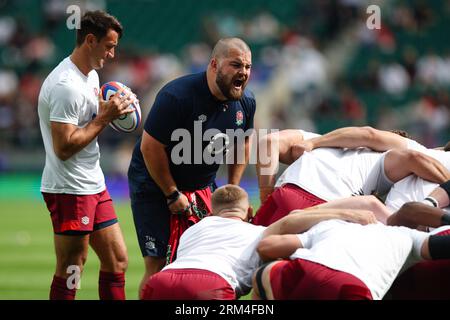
(316, 65)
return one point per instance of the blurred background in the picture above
(316, 66)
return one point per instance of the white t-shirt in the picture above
(68, 96)
(334, 173)
(373, 253)
(224, 246)
(413, 188)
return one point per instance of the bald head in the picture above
(223, 47)
(230, 200)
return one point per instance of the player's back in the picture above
(373, 253)
(332, 173)
(217, 244)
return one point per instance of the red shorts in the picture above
(306, 280)
(187, 284)
(80, 213)
(425, 280)
(282, 201)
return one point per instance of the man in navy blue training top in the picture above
(194, 122)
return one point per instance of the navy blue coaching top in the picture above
(187, 103)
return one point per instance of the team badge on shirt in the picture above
(85, 220)
(239, 118)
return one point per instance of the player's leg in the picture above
(262, 286)
(71, 254)
(110, 248)
(152, 222)
(109, 245)
(72, 219)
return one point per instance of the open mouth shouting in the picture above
(238, 84)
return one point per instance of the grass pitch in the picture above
(27, 258)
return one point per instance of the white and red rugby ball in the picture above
(127, 122)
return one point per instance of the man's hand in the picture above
(69, 139)
(181, 206)
(301, 147)
(116, 106)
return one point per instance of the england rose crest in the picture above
(239, 118)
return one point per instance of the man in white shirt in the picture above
(340, 164)
(337, 260)
(403, 197)
(71, 116)
(427, 279)
(217, 256)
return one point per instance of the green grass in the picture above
(27, 259)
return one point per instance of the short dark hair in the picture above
(98, 23)
(402, 133)
(447, 146)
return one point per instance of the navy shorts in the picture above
(151, 219)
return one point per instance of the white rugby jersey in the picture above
(373, 253)
(413, 188)
(334, 173)
(68, 96)
(224, 246)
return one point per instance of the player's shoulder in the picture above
(62, 89)
(65, 87)
(185, 86)
(64, 75)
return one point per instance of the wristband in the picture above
(431, 200)
(174, 196)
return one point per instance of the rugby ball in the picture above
(127, 122)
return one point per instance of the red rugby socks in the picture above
(111, 285)
(60, 291)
